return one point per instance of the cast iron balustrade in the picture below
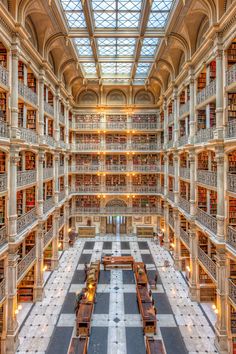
(2, 290)
(206, 220)
(61, 170)
(207, 262)
(48, 172)
(145, 189)
(29, 135)
(86, 126)
(86, 189)
(171, 221)
(116, 125)
(28, 94)
(26, 220)
(25, 263)
(184, 236)
(48, 237)
(117, 211)
(231, 236)
(116, 189)
(61, 118)
(206, 93)
(62, 144)
(26, 177)
(171, 118)
(3, 182)
(145, 168)
(48, 108)
(231, 75)
(88, 146)
(145, 147)
(171, 170)
(115, 168)
(184, 172)
(171, 195)
(61, 221)
(48, 204)
(145, 126)
(184, 204)
(61, 196)
(207, 177)
(184, 108)
(116, 147)
(49, 140)
(232, 291)
(4, 76)
(84, 168)
(231, 129)
(183, 140)
(4, 130)
(231, 182)
(3, 235)
(169, 144)
(204, 135)
(162, 169)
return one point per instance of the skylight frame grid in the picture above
(160, 13)
(74, 13)
(83, 47)
(116, 47)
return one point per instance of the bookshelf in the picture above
(231, 53)
(170, 133)
(21, 69)
(29, 242)
(48, 160)
(170, 108)
(212, 68)
(31, 81)
(232, 211)
(201, 82)
(30, 198)
(112, 118)
(182, 128)
(201, 119)
(144, 118)
(145, 159)
(203, 242)
(213, 203)
(30, 161)
(144, 138)
(204, 277)
(115, 180)
(47, 257)
(31, 119)
(50, 127)
(87, 180)
(202, 198)
(231, 107)
(62, 133)
(2, 162)
(3, 106)
(144, 201)
(212, 106)
(3, 55)
(90, 201)
(233, 321)
(50, 98)
(20, 114)
(87, 138)
(48, 189)
(182, 97)
(116, 159)
(87, 118)
(19, 203)
(61, 184)
(2, 271)
(25, 291)
(2, 211)
(86, 159)
(145, 180)
(232, 268)
(116, 139)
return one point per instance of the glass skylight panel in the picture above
(142, 70)
(89, 69)
(117, 13)
(116, 69)
(74, 13)
(83, 47)
(159, 13)
(116, 47)
(149, 47)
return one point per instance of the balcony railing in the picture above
(61, 221)
(171, 196)
(28, 94)
(61, 196)
(231, 129)
(231, 183)
(26, 177)
(61, 170)
(169, 144)
(86, 189)
(62, 144)
(171, 118)
(4, 130)
(48, 237)
(48, 204)
(207, 177)
(85, 168)
(184, 108)
(115, 168)
(116, 125)
(231, 75)
(61, 118)
(116, 189)
(145, 168)
(86, 126)
(48, 172)
(207, 262)
(145, 126)
(26, 220)
(87, 147)
(204, 135)
(3, 182)
(183, 140)
(48, 108)
(117, 211)
(145, 189)
(184, 204)
(25, 263)
(29, 135)
(4, 76)
(148, 147)
(207, 92)
(232, 291)
(206, 220)
(171, 170)
(49, 140)
(3, 235)
(184, 172)
(171, 221)
(2, 289)
(231, 236)
(184, 236)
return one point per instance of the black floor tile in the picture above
(173, 340)
(69, 303)
(130, 302)
(85, 258)
(147, 258)
(78, 277)
(135, 340)
(98, 340)
(162, 303)
(124, 245)
(107, 245)
(143, 245)
(128, 277)
(126, 254)
(60, 340)
(89, 245)
(102, 303)
(105, 277)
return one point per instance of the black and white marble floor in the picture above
(116, 322)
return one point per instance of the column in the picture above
(192, 160)
(41, 159)
(191, 107)
(176, 182)
(177, 248)
(14, 158)
(67, 107)
(66, 174)
(41, 103)
(103, 225)
(166, 186)
(165, 124)
(221, 292)
(166, 230)
(56, 184)
(39, 281)
(12, 325)
(220, 193)
(176, 115)
(55, 256)
(66, 227)
(14, 88)
(194, 293)
(218, 134)
(56, 115)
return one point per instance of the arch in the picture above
(22, 10)
(32, 32)
(169, 68)
(64, 65)
(116, 97)
(211, 7)
(204, 25)
(88, 97)
(116, 203)
(183, 43)
(49, 42)
(144, 97)
(181, 62)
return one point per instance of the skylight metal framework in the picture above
(117, 40)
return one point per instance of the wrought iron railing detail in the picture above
(118, 211)
(3, 235)
(3, 182)
(25, 263)
(48, 108)
(207, 92)
(171, 170)
(28, 94)
(61, 196)
(231, 236)
(4, 76)
(184, 236)
(48, 237)
(207, 177)
(184, 204)
(61, 118)
(48, 204)
(2, 290)
(29, 135)
(184, 172)
(183, 140)
(61, 221)
(171, 221)
(26, 177)
(231, 75)
(207, 220)
(26, 220)
(4, 130)
(231, 129)
(61, 170)
(231, 183)
(48, 172)
(207, 262)
(232, 291)
(184, 108)
(204, 135)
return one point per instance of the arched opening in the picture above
(116, 224)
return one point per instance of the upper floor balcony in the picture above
(3, 182)
(232, 291)
(206, 220)
(171, 170)
(231, 130)
(48, 237)
(231, 75)
(207, 262)
(120, 189)
(183, 140)
(208, 178)
(26, 263)
(48, 204)
(116, 126)
(25, 220)
(204, 135)
(184, 172)
(4, 130)
(61, 118)
(49, 140)
(231, 236)
(117, 211)
(2, 290)
(185, 237)
(28, 135)
(184, 204)
(25, 178)
(3, 235)
(85, 168)
(4, 76)
(48, 172)
(48, 108)
(116, 147)
(27, 94)
(171, 118)
(207, 93)
(184, 108)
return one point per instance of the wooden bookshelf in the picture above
(115, 180)
(21, 69)
(50, 127)
(231, 108)
(201, 119)
(87, 159)
(90, 201)
(116, 159)
(144, 201)
(232, 320)
(213, 203)
(232, 211)
(31, 119)
(2, 211)
(19, 203)
(231, 53)
(30, 161)
(2, 162)
(145, 180)
(87, 138)
(145, 159)
(50, 98)
(3, 106)
(202, 198)
(87, 118)
(3, 55)
(47, 257)
(144, 138)
(212, 67)
(20, 114)
(116, 138)
(182, 97)
(25, 290)
(87, 180)
(145, 231)
(207, 293)
(31, 81)
(30, 198)
(144, 118)
(201, 82)
(212, 106)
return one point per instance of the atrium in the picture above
(117, 176)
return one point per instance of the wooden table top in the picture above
(143, 294)
(116, 259)
(148, 311)
(85, 312)
(155, 346)
(78, 345)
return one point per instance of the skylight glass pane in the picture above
(71, 5)
(142, 70)
(74, 13)
(149, 47)
(83, 46)
(162, 5)
(159, 13)
(117, 69)
(116, 47)
(89, 69)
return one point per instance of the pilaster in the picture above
(194, 292)
(15, 51)
(55, 255)
(220, 157)
(177, 248)
(38, 289)
(14, 159)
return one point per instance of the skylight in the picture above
(117, 40)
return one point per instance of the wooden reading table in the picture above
(83, 319)
(149, 317)
(116, 261)
(78, 346)
(154, 346)
(141, 277)
(142, 294)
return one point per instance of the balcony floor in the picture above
(116, 324)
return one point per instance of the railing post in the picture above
(14, 159)
(193, 281)
(38, 290)
(192, 160)
(219, 95)
(220, 193)
(221, 340)
(55, 256)
(166, 228)
(177, 250)
(14, 87)
(192, 107)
